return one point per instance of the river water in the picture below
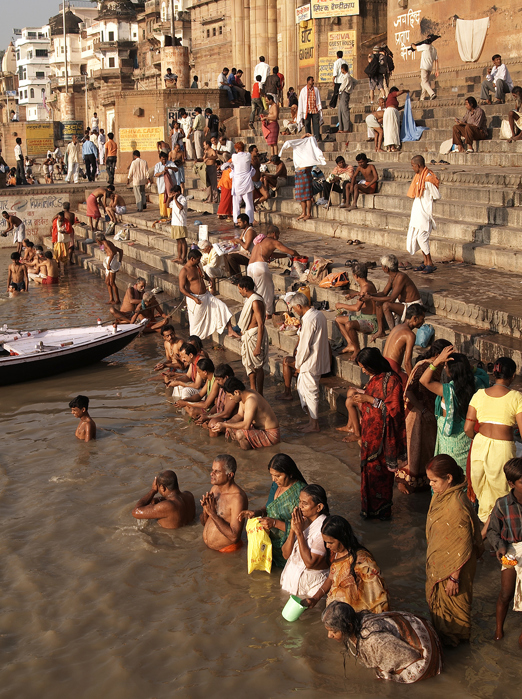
(94, 604)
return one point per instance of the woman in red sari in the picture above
(383, 433)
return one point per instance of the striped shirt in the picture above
(311, 102)
(505, 525)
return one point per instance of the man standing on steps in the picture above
(242, 183)
(111, 153)
(312, 358)
(139, 176)
(258, 267)
(345, 89)
(262, 69)
(90, 157)
(254, 335)
(310, 110)
(429, 61)
(186, 124)
(337, 78)
(73, 153)
(424, 190)
(198, 127)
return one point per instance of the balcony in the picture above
(59, 80)
(99, 45)
(152, 7)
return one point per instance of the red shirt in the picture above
(281, 79)
(391, 100)
(255, 90)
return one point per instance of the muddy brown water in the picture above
(94, 604)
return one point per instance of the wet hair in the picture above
(168, 480)
(136, 153)
(48, 255)
(228, 462)
(443, 466)
(472, 102)
(282, 463)
(194, 254)
(247, 283)
(360, 270)
(15, 255)
(373, 361)
(361, 156)
(206, 364)
(233, 384)
(244, 218)
(497, 55)
(318, 495)
(38, 248)
(460, 372)
(168, 328)
(418, 160)
(223, 371)
(390, 262)
(342, 617)
(188, 349)
(196, 341)
(415, 310)
(341, 530)
(513, 470)
(28, 243)
(505, 368)
(80, 402)
(435, 349)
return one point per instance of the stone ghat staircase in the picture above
(476, 309)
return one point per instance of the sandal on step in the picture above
(420, 268)
(429, 269)
(349, 242)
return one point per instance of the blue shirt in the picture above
(89, 148)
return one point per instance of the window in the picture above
(111, 36)
(143, 33)
(208, 33)
(62, 47)
(21, 94)
(29, 54)
(31, 93)
(25, 94)
(220, 30)
(40, 74)
(31, 35)
(42, 53)
(112, 63)
(25, 74)
(20, 73)
(18, 55)
(101, 36)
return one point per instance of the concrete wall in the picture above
(438, 17)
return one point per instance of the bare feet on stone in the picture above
(309, 428)
(345, 428)
(349, 439)
(285, 396)
(377, 336)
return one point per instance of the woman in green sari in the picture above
(451, 403)
(283, 498)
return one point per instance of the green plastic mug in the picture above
(293, 608)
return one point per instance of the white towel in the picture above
(470, 35)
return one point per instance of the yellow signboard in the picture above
(326, 70)
(40, 138)
(342, 41)
(334, 8)
(306, 44)
(140, 138)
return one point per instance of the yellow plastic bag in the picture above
(259, 546)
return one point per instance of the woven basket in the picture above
(279, 318)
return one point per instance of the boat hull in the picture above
(22, 368)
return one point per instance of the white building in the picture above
(34, 71)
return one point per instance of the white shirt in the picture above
(428, 56)
(242, 174)
(18, 151)
(500, 73)
(222, 80)
(160, 181)
(74, 153)
(262, 69)
(102, 138)
(186, 125)
(227, 147)
(337, 75)
(179, 216)
(95, 123)
(295, 566)
(138, 172)
(346, 83)
(313, 354)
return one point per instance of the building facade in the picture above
(34, 72)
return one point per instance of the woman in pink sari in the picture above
(270, 125)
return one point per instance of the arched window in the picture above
(31, 93)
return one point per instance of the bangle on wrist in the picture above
(454, 580)
(433, 367)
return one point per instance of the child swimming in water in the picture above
(86, 430)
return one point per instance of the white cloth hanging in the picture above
(306, 152)
(470, 35)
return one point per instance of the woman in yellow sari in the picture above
(454, 544)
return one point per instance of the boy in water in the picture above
(17, 279)
(86, 430)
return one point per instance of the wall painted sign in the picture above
(307, 44)
(303, 13)
(334, 8)
(403, 24)
(36, 211)
(39, 138)
(326, 69)
(140, 138)
(70, 128)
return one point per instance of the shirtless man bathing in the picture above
(86, 430)
(221, 507)
(401, 340)
(366, 319)
(48, 271)
(173, 508)
(399, 293)
(131, 301)
(17, 279)
(150, 309)
(252, 409)
(112, 264)
(17, 226)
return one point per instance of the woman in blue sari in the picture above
(451, 403)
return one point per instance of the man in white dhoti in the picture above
(424, 190)
(212, 263)
(254, 335)
(258, 267)
(391, 121)
(242, 183)
(312, 358)
(206, 313)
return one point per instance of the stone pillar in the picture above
(271, 35)
(67, 110)
(238, 35)
(177, 58)
(248, 66)
(288, 48)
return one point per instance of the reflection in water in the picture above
(118, 609)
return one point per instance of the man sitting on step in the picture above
(364, 319)
(367, 182)
(472, 127)
(498, 80)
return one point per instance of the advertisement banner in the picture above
(71, 128)
(334, 8)
(140, 138)
(326, 69)
(303, 14)
(306, 44)
(40, 138)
